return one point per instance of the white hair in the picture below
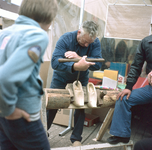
(89, 27)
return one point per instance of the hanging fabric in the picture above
(128, 21)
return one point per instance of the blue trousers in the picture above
(22, 135)
(121, 121)
(79, 117)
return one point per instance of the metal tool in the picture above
(78, 78)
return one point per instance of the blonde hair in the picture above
(42, 11)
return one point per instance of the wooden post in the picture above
(105, 124)
(97, 146)
(43, 112)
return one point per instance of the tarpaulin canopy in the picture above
(128, 21)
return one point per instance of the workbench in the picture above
(63, 98)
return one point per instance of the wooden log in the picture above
(59, 91)
(62, 98)
(110, 98)
(111, 92)
(56, 101)
(106, 98)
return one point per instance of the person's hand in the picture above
(82, 65)
(123, 93)
(17, 114)
(150, 78)
(71, 55)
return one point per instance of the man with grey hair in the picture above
(80, 44)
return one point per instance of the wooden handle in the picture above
(76, 60)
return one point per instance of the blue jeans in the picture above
(121, 122)
(22, 135)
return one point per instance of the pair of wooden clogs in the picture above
(79, 94)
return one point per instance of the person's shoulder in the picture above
(96, 42)
(68, 36)
(147, 38)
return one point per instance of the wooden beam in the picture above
(9, 7)
(105, 124)
(43, 112)
(1, 20)
(96, 146)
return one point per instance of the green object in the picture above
(121, 86)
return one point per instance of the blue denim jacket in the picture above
(63, 71)
(20, 83)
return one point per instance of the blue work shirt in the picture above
(63, 71)
(22, 46)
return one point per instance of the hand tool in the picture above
(62, 60)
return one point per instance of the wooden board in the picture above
(96, 146)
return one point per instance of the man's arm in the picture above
(134, 72)
(59, 52)
(136, 67)
(82, 65)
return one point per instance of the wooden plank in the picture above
(105, 124)
(128, 147)
(59, 91)
(9, 7)
(43, 112)
(96, 146)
